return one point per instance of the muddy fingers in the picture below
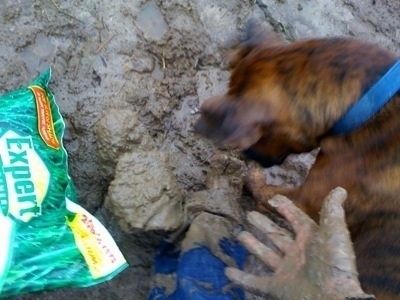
(282, 238)
(318, 264)
(297, 218)
(252, 283)
(262, 252)
(303, 225)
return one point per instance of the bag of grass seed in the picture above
(47, 241)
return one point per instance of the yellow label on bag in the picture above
(95, 243)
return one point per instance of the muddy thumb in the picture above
(333, 231)
(332, 211)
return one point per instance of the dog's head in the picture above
(251, 126)
(256, 114)
(283, 98)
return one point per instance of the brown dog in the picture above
(285, 99)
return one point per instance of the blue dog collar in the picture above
(371, 102)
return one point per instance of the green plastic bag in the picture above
(47, 240)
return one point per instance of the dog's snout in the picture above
(263, 160)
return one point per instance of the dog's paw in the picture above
(256, 184)
(255, 177)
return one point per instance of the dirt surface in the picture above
(129, 76)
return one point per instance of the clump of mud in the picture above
(144, 193)
(119, 131)
(224, 184)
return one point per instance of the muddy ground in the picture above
(129, 77)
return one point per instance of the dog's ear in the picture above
(221, 121)
(255, 35)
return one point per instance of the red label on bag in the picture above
(45, 118)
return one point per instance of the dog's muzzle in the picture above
(264, 161)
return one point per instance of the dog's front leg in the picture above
(262, 192)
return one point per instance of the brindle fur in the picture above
(285, 98)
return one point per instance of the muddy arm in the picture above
(319, 263)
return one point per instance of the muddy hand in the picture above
(319, 263)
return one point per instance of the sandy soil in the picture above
(129, 77)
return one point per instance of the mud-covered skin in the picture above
(318, 263)
(284, 99)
